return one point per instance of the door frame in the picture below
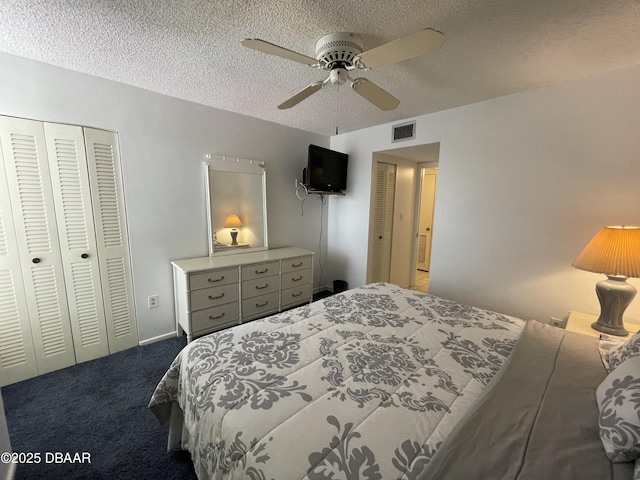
(427, 154)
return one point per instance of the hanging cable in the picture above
(320, 238)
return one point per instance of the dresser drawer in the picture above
(296, 295)
(260, 306)
(212, 297)
(215, 318)
(292, 279)
(260, 270)
(297, 263)
(260, 286)
(213, 278)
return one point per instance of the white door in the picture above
(17, 356)
(29, 187)
(74, 214)
(383, 222)
(425, 226)
(107, 195)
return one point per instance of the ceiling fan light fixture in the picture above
(338, 76)
(342, 52)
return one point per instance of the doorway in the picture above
(426, 205)
(400, 221)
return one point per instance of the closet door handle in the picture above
(84, 255)
(36, 260)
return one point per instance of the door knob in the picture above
(84, 255)
(428, 229)
(380, 237)
(36, 260)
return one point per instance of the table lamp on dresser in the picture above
(615, 252)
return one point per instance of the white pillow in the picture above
(628, 349)
(618, 399)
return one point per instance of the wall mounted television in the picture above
(326, 170)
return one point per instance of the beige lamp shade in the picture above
(233, 221)
(613, 251)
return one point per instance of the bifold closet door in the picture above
(107, 196)
(31, 197)
(74, 215)
(383, 222)
(17, 357)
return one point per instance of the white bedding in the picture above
(363, 384)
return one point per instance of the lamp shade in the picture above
(233, 221)
(613, 251)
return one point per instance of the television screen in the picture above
(326, 169)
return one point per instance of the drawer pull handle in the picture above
(214, 280)
(262, 287)
(260, 272)
(262, 304)
(296, 294)
(297, 279)
(296, 265)
(211, 317)
(216, 298)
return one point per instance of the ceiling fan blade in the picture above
(414, 45)
(272, 49)
(376, 95)
(301, 95)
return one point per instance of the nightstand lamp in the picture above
(233, 222)
(615, 252)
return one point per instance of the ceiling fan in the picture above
(340, 53)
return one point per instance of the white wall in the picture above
(525, 181)
(163, 142)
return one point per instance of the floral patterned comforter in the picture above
(361, 385)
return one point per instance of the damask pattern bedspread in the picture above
(361, 385)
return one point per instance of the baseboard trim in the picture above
(157, 339)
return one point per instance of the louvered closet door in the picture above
(29, 187)
(107, 197)
(17, 357)
(72, 196)
(383, 222)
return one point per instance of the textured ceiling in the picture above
(191, 49)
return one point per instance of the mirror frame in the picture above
(223, 163)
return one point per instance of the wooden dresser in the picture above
(212, 293)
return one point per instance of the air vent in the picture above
(404, 131)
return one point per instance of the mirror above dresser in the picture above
(236, 205)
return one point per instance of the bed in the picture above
(380, 382)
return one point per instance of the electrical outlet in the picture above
(556, 322)
(152, 301)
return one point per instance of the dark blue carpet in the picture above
(99, 407)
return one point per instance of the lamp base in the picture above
(614, 295)
(234, 237)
